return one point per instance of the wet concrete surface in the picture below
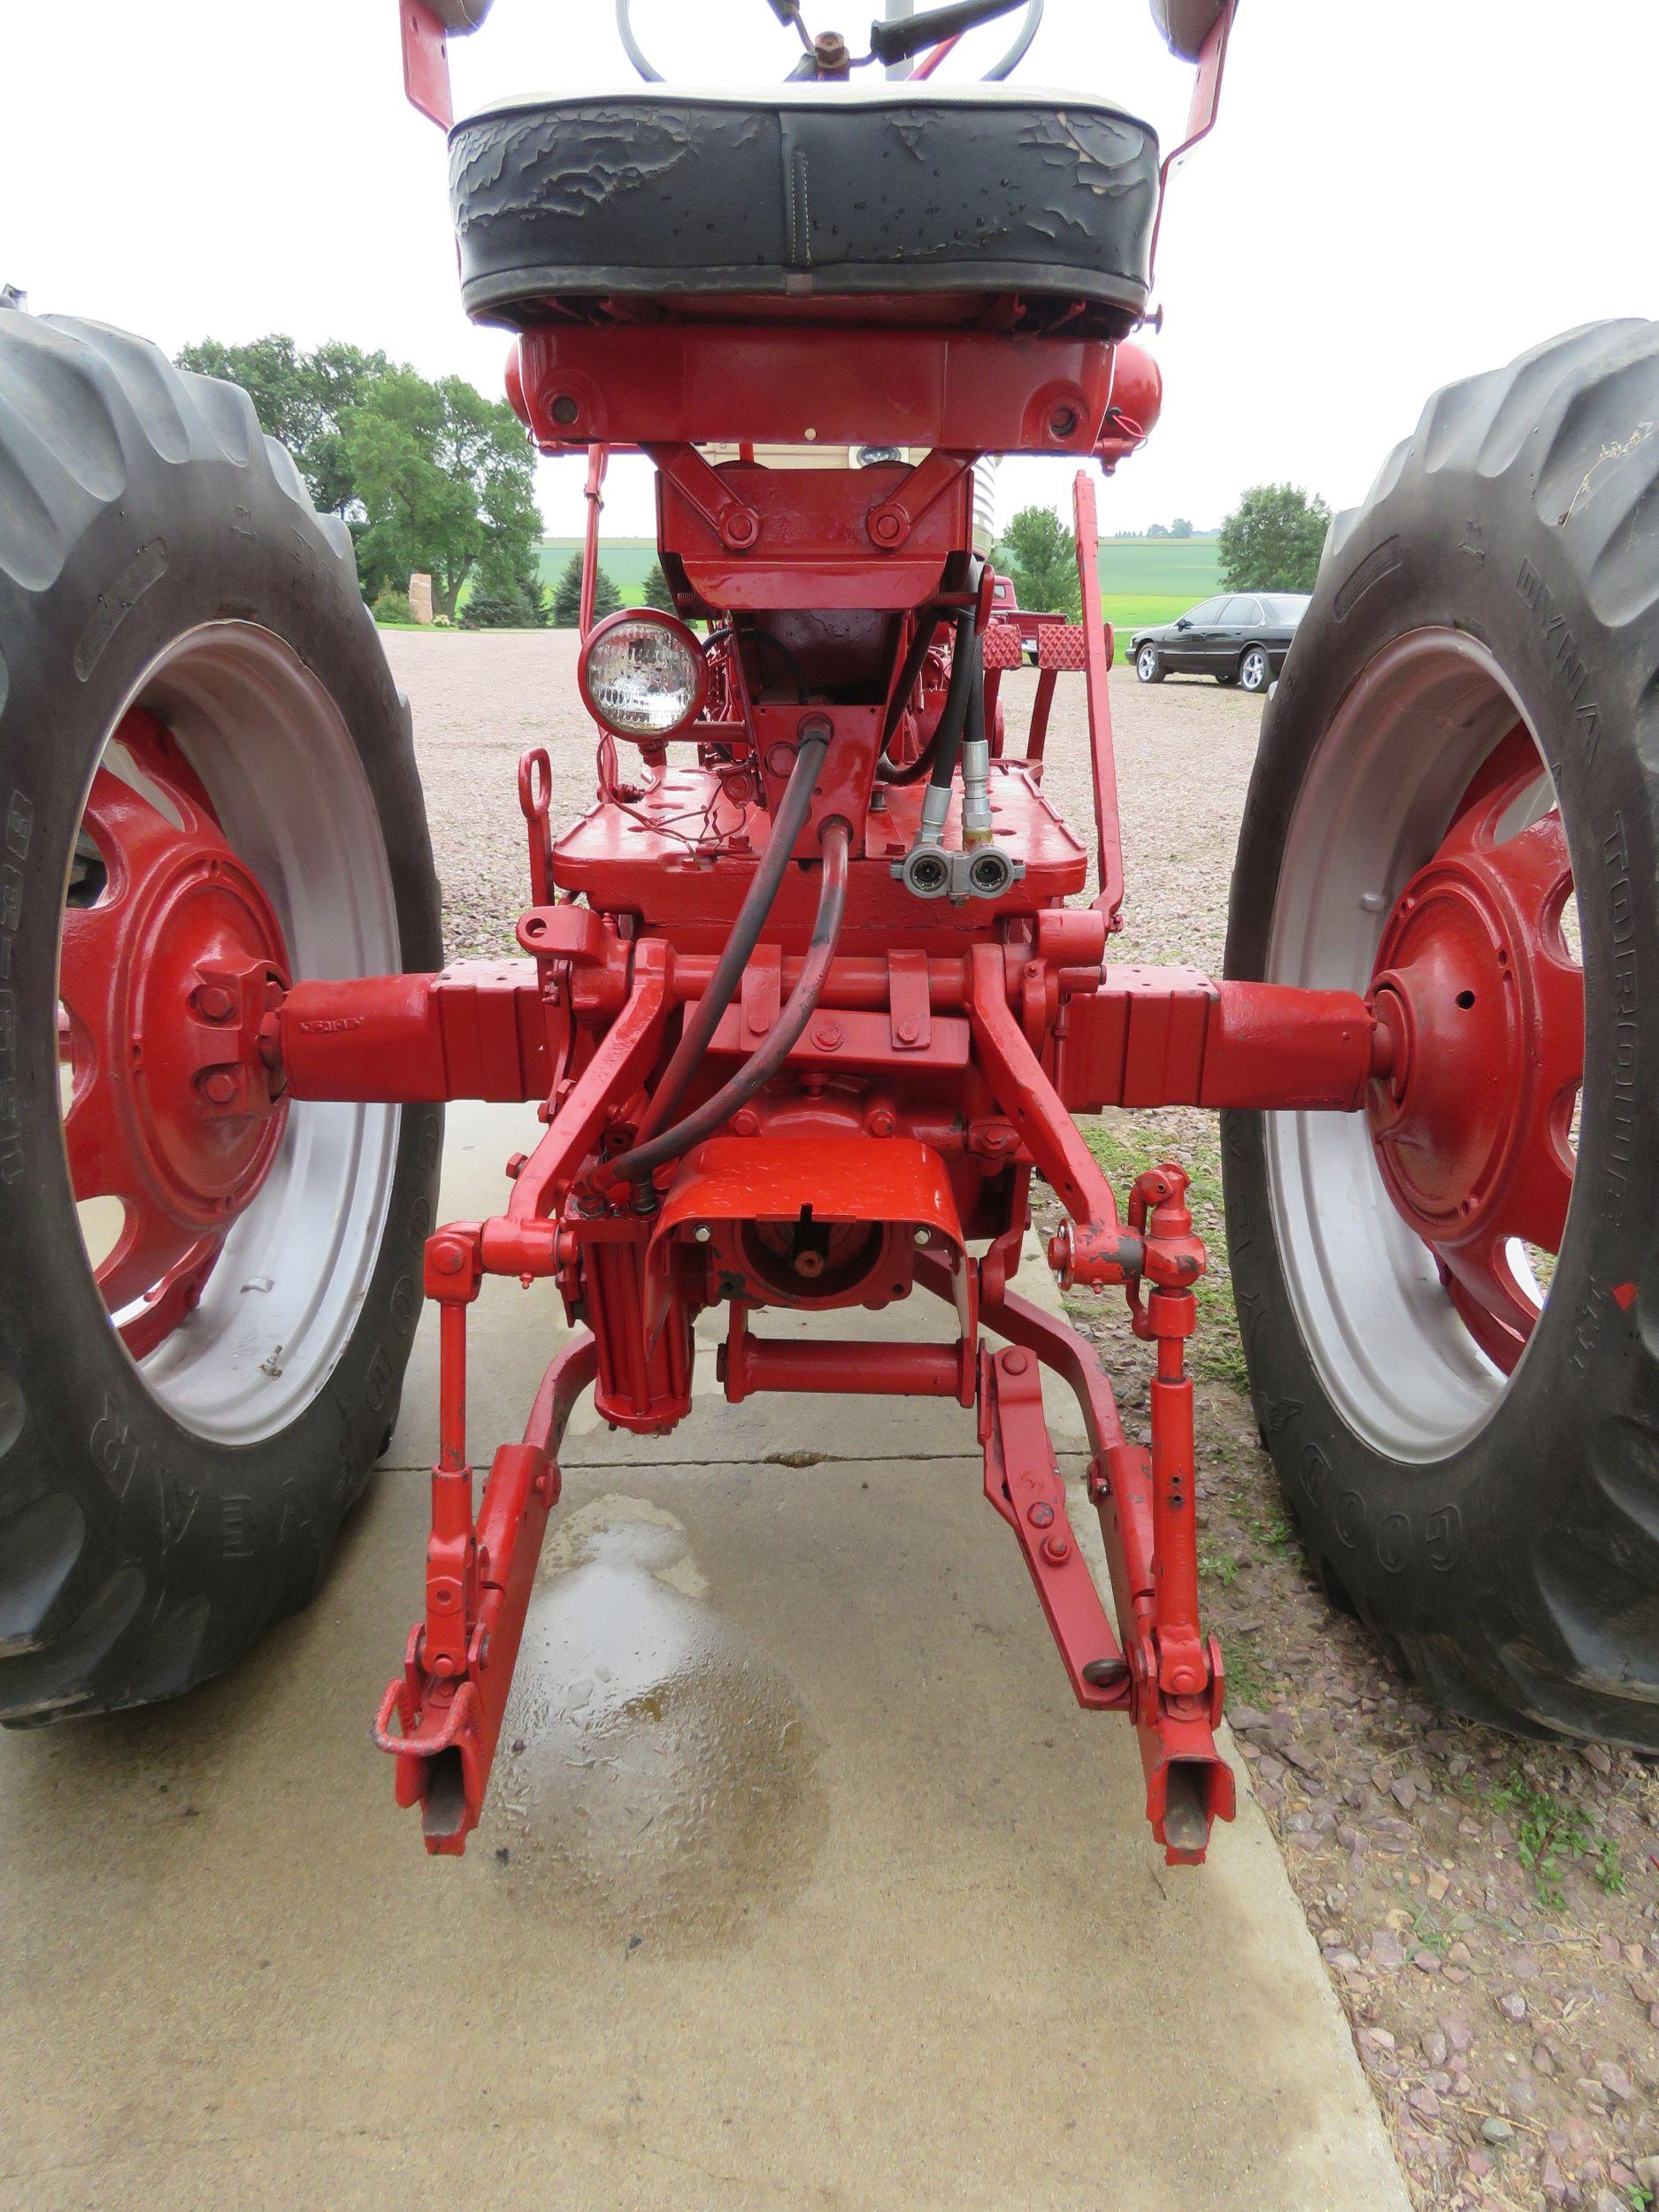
(802, 1883)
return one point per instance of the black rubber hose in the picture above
(764, 1061)
(909, 676)
(704, 1019)
(974, 726)
(939, 761)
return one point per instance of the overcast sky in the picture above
(1399, 192)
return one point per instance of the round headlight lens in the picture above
(643, 674)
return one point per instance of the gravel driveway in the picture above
(1488, 1908)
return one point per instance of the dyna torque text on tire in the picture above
(1458, 785)
(206, 774)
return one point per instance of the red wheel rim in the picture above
(1478, 987)
(162, 983)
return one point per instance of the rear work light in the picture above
(642, 675)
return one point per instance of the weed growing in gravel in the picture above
(1550, 1834)
(1247, 1680)
(1427, 1933)
(1266, 1523)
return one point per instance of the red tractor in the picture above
(817, 987)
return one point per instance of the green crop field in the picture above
(1160, 568)
(1143, 580)
(626, 561)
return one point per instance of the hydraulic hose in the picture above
(909, 676)
(701, 1022)
(636, 1166)
(938, 763)
(976, 765)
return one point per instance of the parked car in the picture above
(1240, 638)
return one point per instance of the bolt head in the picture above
(215, 1002)
(1015, 1362)
(1056, 1550)
(220, 1086)
(921, 1237)
(1041, 1514)
(909, 1032)
(702, 1232)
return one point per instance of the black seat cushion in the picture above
(805, 193)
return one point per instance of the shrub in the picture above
(392, 607)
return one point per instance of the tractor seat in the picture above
(972, 205)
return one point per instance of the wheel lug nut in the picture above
(220, 1087)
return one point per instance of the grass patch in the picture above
(1128, 612)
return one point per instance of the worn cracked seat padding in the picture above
(941, 196)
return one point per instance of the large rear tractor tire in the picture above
(1450, 1303)
(207, 784)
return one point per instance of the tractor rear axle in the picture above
(908, 1118)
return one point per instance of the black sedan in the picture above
(1241, 638)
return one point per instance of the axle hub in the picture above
(1484, 1006)
(164, 980)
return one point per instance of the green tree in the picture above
(446, 478)
(1180, 528)
(504, 606)
(567, 596)
(1040, 554)
(302, 400)
(1157, 530)
(1272, 539)
(656, 592)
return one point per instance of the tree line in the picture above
(428, 475)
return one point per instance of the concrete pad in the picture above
(809, 1884)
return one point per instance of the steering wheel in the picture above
(788, 12)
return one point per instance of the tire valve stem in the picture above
(272, 1363)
